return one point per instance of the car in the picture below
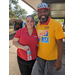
(23, 24)
(19, 25)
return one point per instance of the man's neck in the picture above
(43, 22)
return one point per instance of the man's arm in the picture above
(58, 63)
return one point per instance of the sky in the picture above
(26, 7)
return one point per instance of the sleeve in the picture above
(59, 31)
(18, 34)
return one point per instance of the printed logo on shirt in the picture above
(35, 36)
(47, 27)
(43, 36)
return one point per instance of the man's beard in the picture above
(43, 19)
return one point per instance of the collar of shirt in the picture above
(46, 22)
(26, 31)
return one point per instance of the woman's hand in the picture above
(25, 47)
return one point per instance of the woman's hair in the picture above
(32, 18)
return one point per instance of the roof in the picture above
(15, 20)
(57, 7)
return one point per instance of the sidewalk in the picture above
(14, 69)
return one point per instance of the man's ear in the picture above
(48, 11)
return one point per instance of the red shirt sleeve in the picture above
(18, 34)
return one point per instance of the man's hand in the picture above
(58, 65)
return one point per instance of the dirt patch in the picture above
(10, 30)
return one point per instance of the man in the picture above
(50, 36)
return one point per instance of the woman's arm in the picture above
(18, 45)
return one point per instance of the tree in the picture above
(15, 11)
(61, 20)
(11, 3)
(14, 1)
(12, 14)
(35, 16)
(19, 12)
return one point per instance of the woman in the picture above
(26, 39)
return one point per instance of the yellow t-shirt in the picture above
(47, 35)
